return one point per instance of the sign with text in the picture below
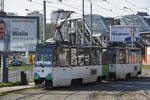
(18, 33)
(123, 34)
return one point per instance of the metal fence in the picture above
(15, 75)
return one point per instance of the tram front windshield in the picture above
(44, 56)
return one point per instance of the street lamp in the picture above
(133, 33)
(44, 21)
(2, 5)
(44, 17)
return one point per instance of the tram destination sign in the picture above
(18, 33)
(123, 33)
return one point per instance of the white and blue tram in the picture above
(66, 65)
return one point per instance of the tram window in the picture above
(134, 55)
(38, 57)
(73, 56)
(112, 57)
(127, 57)
(120, 56)
(93, 57)
(105, 59)
(64, 57)
(56, 58)
(109, 57)
(47, 57)
(139, 56)
(44, 57)
(99, 59)
(81, 56)
(87, 56)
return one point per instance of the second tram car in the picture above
(123, 62)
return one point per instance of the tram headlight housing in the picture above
(49, 76)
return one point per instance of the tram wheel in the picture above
(48, 84)
(76, 82)
(37, 82)
(128, 76)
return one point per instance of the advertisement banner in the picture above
(18, 33)
(123, 34)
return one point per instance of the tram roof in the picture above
(84, 46)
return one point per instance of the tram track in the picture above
(65, 98)
(28, 95)
(134, 88)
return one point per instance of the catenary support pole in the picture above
(44, 20)
(4, 67)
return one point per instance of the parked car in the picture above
(16, 62)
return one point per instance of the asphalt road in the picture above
(132, 89)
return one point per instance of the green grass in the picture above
(30, 67)
(23, 67)
(145, 66)
(31, 80)
(2, 84)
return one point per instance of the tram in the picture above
(65, 65)
(123, 62)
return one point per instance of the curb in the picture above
(7, 90)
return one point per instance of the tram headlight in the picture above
(49, 76)
(36, 76)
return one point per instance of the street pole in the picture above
(2, 5)
(132, 35)
(4, 67)
(44, 20)
(3, 54)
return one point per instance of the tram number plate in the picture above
(93, 71)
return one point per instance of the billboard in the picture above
(18, 33)
(124, 33)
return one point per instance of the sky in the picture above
(108, 8)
